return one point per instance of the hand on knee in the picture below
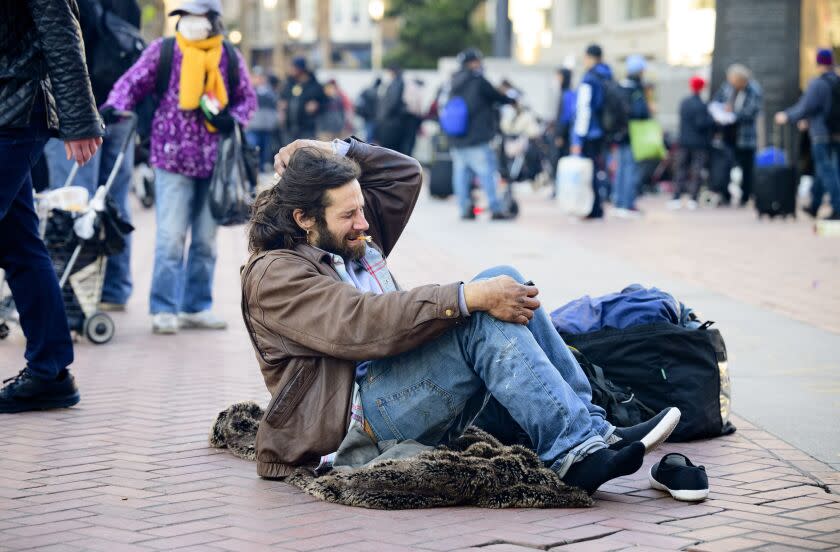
(503, 298)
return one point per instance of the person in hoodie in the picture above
(588, 138)
(472, 152)
(627, 174)
(696, 126)
(184, 144)
(815, 107)
(302, 100)
(565, 115)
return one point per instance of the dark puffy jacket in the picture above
(481, 99)
(41, 52)
(298, 95)
(696, 125)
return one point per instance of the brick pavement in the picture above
(129, 468)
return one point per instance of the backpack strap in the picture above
(164, 68)
(233, 68)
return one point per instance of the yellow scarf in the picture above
(200, 72)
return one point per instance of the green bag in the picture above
(646, 140)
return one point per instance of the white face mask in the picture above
(194, 27)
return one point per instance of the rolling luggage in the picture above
(776, 182)
(440, 177)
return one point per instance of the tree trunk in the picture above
(324, 38)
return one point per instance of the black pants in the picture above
(744, 158)
(690, 163)
(29, 270)
(594, 150)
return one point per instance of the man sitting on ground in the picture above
(340, 344)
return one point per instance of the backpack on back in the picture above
(118, 47)
(615, 109)
(832, 120)
(453, 114)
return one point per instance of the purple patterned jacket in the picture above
(180, 142)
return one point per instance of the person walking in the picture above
(265, 122)
(472, 153)
(741, 95)
(331, 121)
(302, 100)
(564, 117)
(696, 126)
(588, 137)
(184, 144)
(116, 289)
(366, 106)
(815, 106)
(627, 173)
(44, 91)
(391, 110)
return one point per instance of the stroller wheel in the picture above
(99, 328)
(4, 330)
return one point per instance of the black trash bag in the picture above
(234, 181)
(115, 229)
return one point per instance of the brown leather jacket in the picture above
(309, 329)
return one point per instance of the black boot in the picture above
(26, 391)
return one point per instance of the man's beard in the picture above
(339, 245)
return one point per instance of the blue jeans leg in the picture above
(432, 393)
(825, 167)
(486, 167)
(24, 258)
(201, 262)
(558, 353)
(117, 286)
(625, 180)
(173, 213)
(461, 180)
(481, 161)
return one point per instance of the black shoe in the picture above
(810, 211)
(834, 216)
(676, 475)
(502, 216)
(651, 433)
(28, 392)
(468, 215)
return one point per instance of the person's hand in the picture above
(82, 150)
(311, 106)
(727, 108)
(281, 160)
(781, 118)
(503, 298)
(223, 121)
(559, 141)
(802, 125)
(575, 149)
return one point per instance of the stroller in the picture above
(80, 234)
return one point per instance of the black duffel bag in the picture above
(664, 365)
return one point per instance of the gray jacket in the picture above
(746, 111)
(815, 105)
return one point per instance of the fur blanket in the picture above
(475, 469)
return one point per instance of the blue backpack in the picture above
(454, 116)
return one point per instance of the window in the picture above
(586, 12)
(640, 9)
(356, 11)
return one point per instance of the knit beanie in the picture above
(696, 84)
(825, 57)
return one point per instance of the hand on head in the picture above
(281, 160)
(502, 297)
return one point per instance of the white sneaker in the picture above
(204, 320)
(675, 204)
(164, 323)
(691, 205)
(620, 212)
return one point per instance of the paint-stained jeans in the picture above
(504, 377)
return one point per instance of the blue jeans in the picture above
(23, 256)
(180, 206)
(261, 139)
(826, 157)
(625, 178)
(481, 161)
(505, 376)
(117, 286)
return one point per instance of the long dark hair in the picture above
(309, 175)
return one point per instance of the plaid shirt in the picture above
(369, 274)
(746, 111)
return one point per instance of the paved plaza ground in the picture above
(129, 468)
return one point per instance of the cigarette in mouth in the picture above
(365, 238)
